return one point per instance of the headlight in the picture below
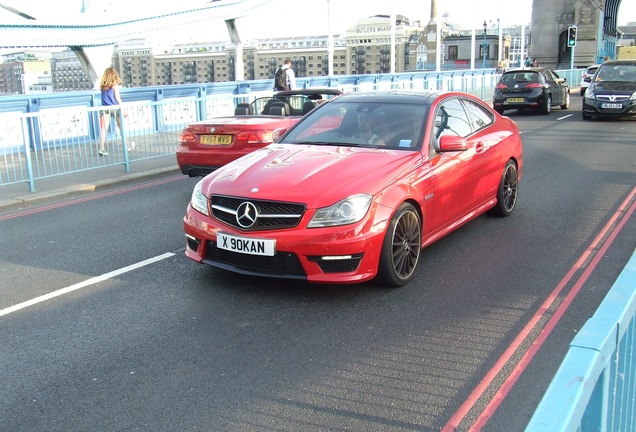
(589, 93)
(199, 202)
(633, 97)
(349, 210)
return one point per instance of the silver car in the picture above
(589, 73)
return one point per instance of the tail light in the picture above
(259, 136)
(501, 86)
(187, 137)
(534, 85)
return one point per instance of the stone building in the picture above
(22, 70)
(67, 72)
(596, 25)
(368, 45)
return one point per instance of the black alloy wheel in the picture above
(547, 104)
(507, 191)
(401, 247)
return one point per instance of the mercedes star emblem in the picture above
(246, 214)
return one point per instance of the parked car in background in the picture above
(588, 73)
(612, 91)
(531, 89)
(357, 188)
(206, 145)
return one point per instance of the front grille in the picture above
(270, 215)
(612, 98)
(282, 264)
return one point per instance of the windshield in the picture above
(616, 73)
(365, 124)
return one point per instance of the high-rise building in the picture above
(21, 70)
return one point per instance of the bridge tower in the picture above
(596, 23)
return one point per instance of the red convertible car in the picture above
(357, 188)
(207, 145)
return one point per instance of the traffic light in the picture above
(572, 36)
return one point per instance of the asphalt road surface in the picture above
(106, 326)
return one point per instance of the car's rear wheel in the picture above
(507, 191)
(401, 247)
(547, 105)
(566, 103)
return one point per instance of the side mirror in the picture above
(587, 79)
(451, 143)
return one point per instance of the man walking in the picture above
(284, 78)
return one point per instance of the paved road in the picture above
(144, 339)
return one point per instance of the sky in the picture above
(281, 18)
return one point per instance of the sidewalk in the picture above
(18, 195)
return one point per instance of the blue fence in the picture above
(595, 387)
(61, 130)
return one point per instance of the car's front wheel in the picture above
(586, 116)
(507, 191)
(401, 247)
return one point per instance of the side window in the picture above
(479, 115)
(451, 119)
(549, 76)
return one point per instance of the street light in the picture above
(483, 48)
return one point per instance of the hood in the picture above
(315, 175)
(614, 87)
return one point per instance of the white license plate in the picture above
(612, 105)
(246, 245)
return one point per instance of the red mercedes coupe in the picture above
(356, 188)
(209, 144)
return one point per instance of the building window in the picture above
(452, 52)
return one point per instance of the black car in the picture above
(531, 88)
(612, 90)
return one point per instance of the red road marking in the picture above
(509, 382)
(90, 198)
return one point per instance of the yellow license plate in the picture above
(514, 100)
(215, 139)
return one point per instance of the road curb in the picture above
(31, 198)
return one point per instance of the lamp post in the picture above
(483, 47)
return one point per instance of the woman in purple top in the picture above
(109, 86)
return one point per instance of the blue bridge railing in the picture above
(595, 386)
(53, 134)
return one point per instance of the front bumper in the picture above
(339, 255)
(599, 108)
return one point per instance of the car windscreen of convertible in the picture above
(397, 126)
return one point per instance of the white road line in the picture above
(564, 117)
(84, 284)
